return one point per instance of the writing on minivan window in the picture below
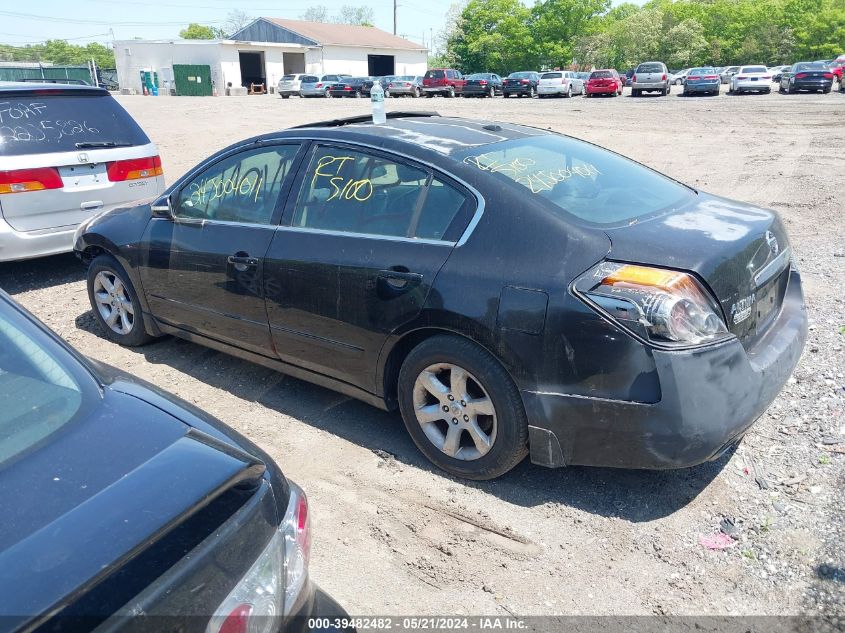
(30, 123)
(521, 170)
(342, 187)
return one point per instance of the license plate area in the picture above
(84, 176)
(769, 300)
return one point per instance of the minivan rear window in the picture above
(649, 68)
(435, 74)
(43, 121)
(578, 179)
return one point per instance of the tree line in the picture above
(502, 36)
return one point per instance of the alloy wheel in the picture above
(455, 412)
(113, 302)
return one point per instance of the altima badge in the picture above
(741, 310)
(772, 241)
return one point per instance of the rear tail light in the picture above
(319, 85)
(767, 76)
(524, 81)
(38, 179)
(634, 78)
(693, 78)
(272, 587)
(663, 78)
(828, 75)
(716, 77)
(664, 306)
(482, 83)
(347, 87)
(800, 75)
(134, 169)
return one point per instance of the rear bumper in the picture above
(595, 90)
(710, 397)
(555, 89)
(16, 245)
(660, 85)
(812, 84)
(760, 84)
(702, 87)
(516, 90)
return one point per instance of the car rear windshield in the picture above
(702, 71)
(578, 179)
(650, 68)
(45, 121)
(551, 76)
(309, 79)
(477, 76)
(521, 75)
(601, 74)
(38, 394)
(435, 74)
(811, 66)
(753, 69)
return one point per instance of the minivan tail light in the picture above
(37, 179)
(663, 78)
(634, 78)
(134, 169)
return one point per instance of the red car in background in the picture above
(604, 82)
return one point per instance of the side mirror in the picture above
(162, 208)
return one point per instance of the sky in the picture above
(83, 21)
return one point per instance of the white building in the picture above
(265, 50)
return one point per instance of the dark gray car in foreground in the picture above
(129, 509)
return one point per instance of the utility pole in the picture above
(394, 16)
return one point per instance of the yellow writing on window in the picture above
(342, 188)
(211, 189)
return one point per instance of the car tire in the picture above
(492, 92)
(569, 92)
(285, 96)
(531, 92)
(826, 90)
(415, 94)
(503, 435)
(121, 300)
(636, 93)
(329, 94)
(450, 93)
(358, 94)
(387, 94)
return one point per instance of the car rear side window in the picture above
(357, 192)
(43, 121)
(578, 179)
(244, 187)
(38, 394)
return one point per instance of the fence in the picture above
(36, 71)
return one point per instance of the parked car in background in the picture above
(352, 87)
(807, 76)
(482, 85)
(629, 75)
(385, 277)
(702, 80)
(837, 68)
(131, 499)
(446, 82)
(559, 83)
(606, 81)
(385, 83)
(318, 85)
(651, 77)
(679, 77)
(751, 79)
(406, 86)
(67, 152)
(776, 72)
(583, 76)
(521, 84)
(290, 85)
(727, 72)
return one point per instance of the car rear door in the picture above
(361, 243)
(202, 268)
(66, 154)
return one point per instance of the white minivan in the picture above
(67, 152)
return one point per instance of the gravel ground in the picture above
(394, 536)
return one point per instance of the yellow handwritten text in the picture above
(342, 188)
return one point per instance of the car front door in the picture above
(202, 267)
(360, 245)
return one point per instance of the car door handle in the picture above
(243, 261)
(401, 275)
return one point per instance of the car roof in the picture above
(17, 86)
(429, 130)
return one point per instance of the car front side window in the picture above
(244, 187)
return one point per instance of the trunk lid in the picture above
(739, 251)
(89, 499)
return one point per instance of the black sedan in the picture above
(482, 85)
(510, 290)
(122, 500)
(521, 84)
(810, 76)
(352, 87)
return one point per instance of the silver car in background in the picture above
(67, 153)
(405, 86)
(560, 83)
(751, 79)
(727, 72)
(290, 85)
(318, 85)
(651, 77)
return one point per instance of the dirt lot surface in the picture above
(394, 536)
